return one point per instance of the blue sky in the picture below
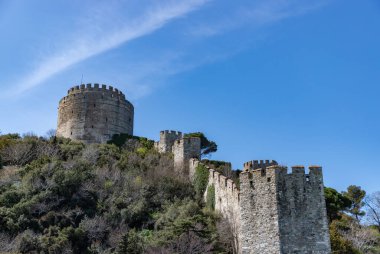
(291, 80)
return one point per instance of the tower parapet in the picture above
(281, 212)
(167, 139)
(92, 113)
(255, 164)
(185, 149)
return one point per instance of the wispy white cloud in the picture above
(107, 26)
(100, 35)
(146, 74)
(255, 14)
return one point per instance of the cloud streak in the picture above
(103, 37)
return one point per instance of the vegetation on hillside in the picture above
(349, 232)
(61, 196)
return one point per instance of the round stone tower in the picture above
(92, 114)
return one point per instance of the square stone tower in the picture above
(281, 212)
(185, 149)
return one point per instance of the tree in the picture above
(207, 146)
(361, 237)
(339, 244)
(131, 243)
(336, 203)
(356, 195)
(50, 134)
(373, 204)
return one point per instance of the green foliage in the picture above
(336, 203)
(67, 182)
(6, 140)
(120, 139)
(340, 245)
(210, 198)
(36, 164)
(10, 197)
(131, 243)
(207, 146)
(183, 219)
(216, 164)
(77, 198)
(356, 195)
(200, 180)
(142, 151)
(68, 148)
(108, 154)
(146, 143)
(56, 240)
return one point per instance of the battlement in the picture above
(167, 140)
(93, 87)
(187, 140)
(178, 133)
(223, 181)
(295, 202)
(297, 169)
(255, 164)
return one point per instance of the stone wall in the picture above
(92, 114)
(226, 202)
(259, 211)
(185, 149)
(272, 211)
(167, 139)
(302, 210)
(283, 213)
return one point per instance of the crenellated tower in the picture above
(185, 149)
(270, 210)
(281, 212)
(167, 139)
(93, 113)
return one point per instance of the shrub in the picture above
(200, 180)
(339, 244)
(184, 228)
(210, 198)
(10, 198)
(131, 243)
(120, 139)
(69, 149)
(108, 154)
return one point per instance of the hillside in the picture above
(60, 196)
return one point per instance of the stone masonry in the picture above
(272, 211)
(185, 149)
(281, 212)
(167, 139)
(92, 114)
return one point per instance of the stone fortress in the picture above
(93, 113)
(272, 211)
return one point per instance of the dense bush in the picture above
(123, 197)
(200, 180)
(210, 198)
